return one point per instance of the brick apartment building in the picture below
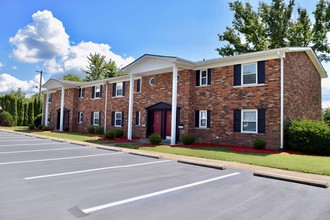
(230, 100)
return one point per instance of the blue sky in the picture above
(68, 30)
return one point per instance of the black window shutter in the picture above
(79, 92)
(122, 119)
(196, 118)
(208, 118)
(261, 72)
(100, 91)
(92, 118)
(82, 117)
(83, 92)
(261, 120)
(50, 97)
(138, 84)
(78, 116)
(93, 91)
(209, 73)
(100, 118)
(198, 73)
(114, 85)
(137, 114)
(237, 120)
(237, 75)
(123, 88)
(113, 119)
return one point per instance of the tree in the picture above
(326, 116)
(20, 112)
(99, 68)
(73, 77)
(30, 116)
(25, 118)
(35, 107)
(272, 26)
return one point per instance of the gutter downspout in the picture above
(106, 106)
(281, 55)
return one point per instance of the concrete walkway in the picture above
(227, 164)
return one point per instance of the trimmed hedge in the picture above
(6, 119)
(188, 139)
(110, 134)
(119, 132)
(259, 143)
(45, 128)
(37, 120)
(312, 137)
(155, 138)
(66, 128)
(91, 130)
(32, 126)
(99, 130)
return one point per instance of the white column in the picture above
(46, 113)
(106, 107)
(62, 109)
(282, 103)
(174, 99)
(130, 107)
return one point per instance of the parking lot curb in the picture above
(203, 164)
(293, 179)
(110, 149)
(145, 155)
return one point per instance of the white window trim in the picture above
(249, 110)
(122, 88)
(97, 97)
(200, 78)
(200, 119)
(81, 118)
(121, 117)
(242, 74)
(140, 86)
(80, 95)
(98, 117)
(48, 117)
(50, 98)
(139, 119)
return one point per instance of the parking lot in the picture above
(46, 179)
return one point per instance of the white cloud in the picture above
(1, 64)
(9, 83)
(14, 67)
(45, 40)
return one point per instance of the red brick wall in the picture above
(302, 88)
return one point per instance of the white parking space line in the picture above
(97, 208)
(31, 151)
(94, 170)
(21, 139)
(35, 144)
(59, 158)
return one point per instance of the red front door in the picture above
(168, 123)
(157, 122)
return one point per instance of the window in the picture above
(48, 119)
(203, 78)
(81, 92)
(249, 121)
(80, 117)
(118, 119)
(97, 92)
(96, 118)
(249, 73)
(119, 89)
(152, 81)
(137, 118)
(138, 85)
(50, 97)
(202, 119)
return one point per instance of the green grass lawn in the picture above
(301, 163)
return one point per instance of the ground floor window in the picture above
(137, 118)
(249, 120)
(96, 118)
(202, 118)
(80, 117)
(118, 119)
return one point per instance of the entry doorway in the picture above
(66, 118)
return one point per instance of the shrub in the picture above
(91, 130)
(45, 128)
(40, 127)
(99, 130)
(37, 120)
(259, 143)
(155, 138)
(119, 132)
(32, 126)
(66, 128)
(6, 119)
(188, 139)
(312, 137)
(110, 134)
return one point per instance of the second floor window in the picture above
(249, 73)
(119, 89)
(81, 92)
